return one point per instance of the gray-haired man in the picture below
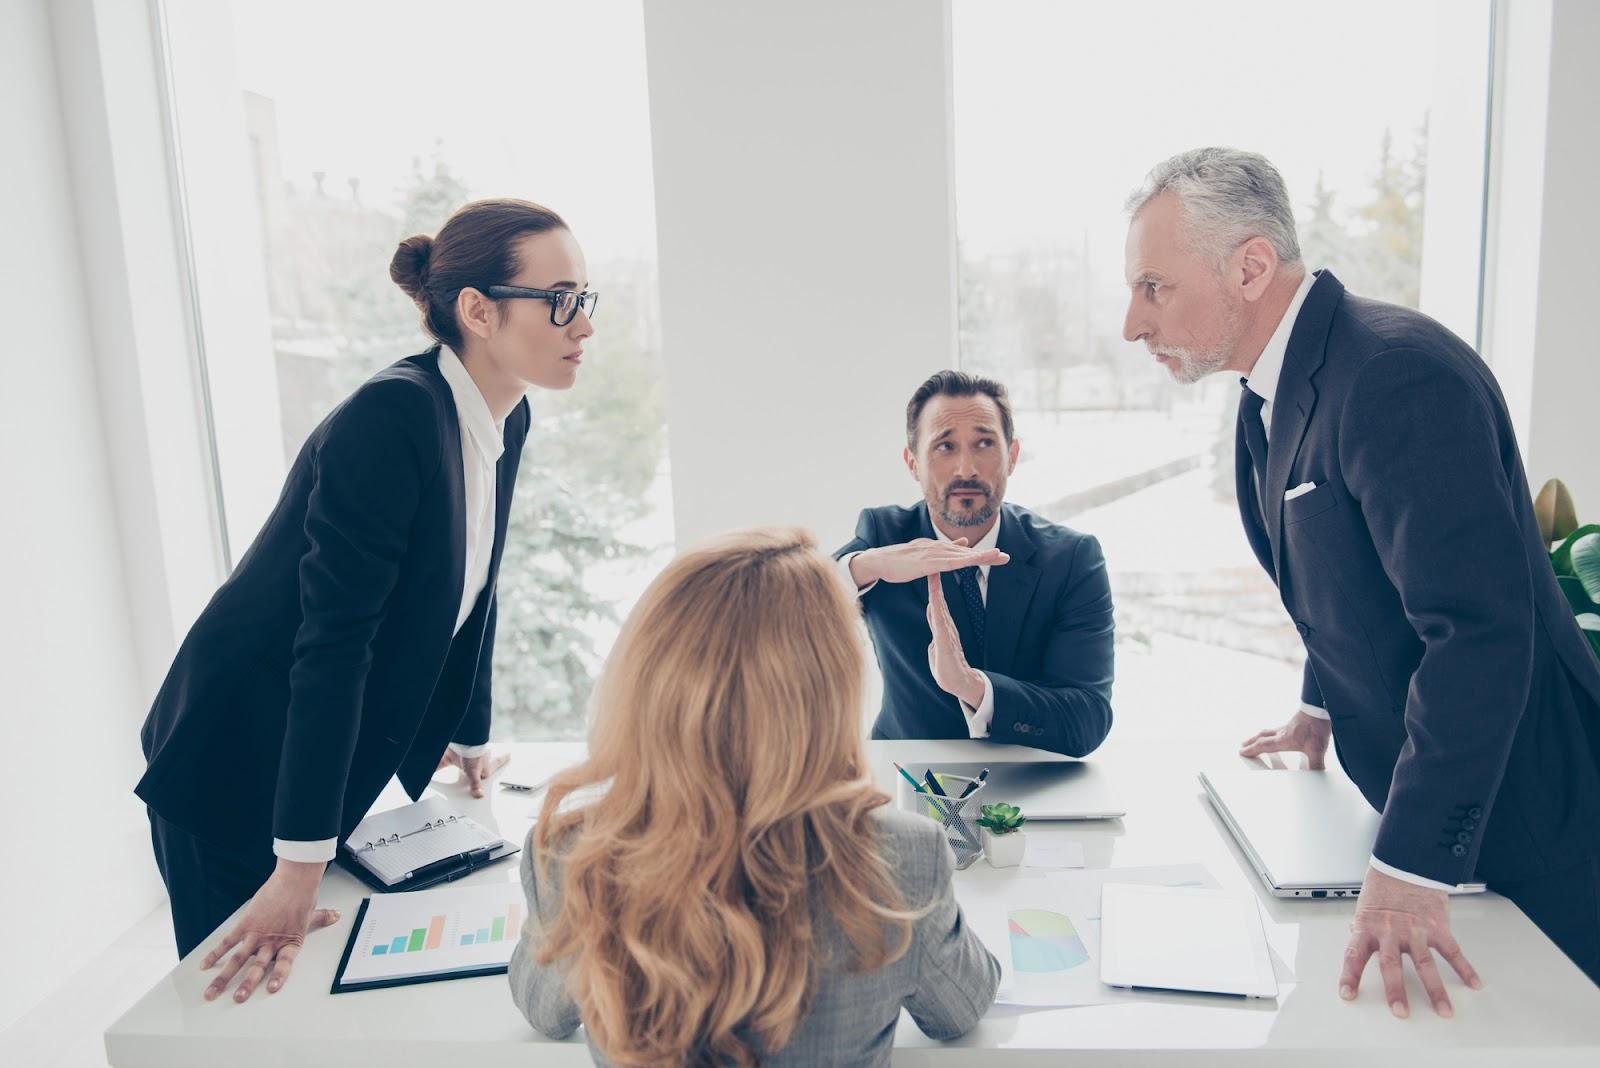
(1380, 486)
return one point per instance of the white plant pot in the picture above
(1004, 850)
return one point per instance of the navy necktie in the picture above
(967, 579)
(1255, 439)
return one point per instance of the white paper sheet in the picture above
(1052, 959)
(1052, 852)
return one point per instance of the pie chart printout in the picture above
(1044, 942)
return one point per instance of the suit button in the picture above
(1469, 825)
(1018, 728)
(1458, 850)
(1303, 629)
(1474, 813)
(1463, 837)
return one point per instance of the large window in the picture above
(1377, 119)
(363, 123)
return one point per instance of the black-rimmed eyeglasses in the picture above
(564, 303)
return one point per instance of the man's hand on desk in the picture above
(1302, 734)
(1394, 917)
(270, 932)
(475, 770)
(919, 559)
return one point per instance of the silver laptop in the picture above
(1306, 833)
(1043, 789)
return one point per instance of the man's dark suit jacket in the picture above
(1463, 697)
(326, 662)
(1048, 642)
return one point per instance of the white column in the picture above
(806, 228)
(1544, 225)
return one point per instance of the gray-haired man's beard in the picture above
(1189, 366)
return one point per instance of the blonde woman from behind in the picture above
(734, 890)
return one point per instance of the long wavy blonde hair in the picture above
(726, 735)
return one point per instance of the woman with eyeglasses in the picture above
(353, 641)
(721, 883)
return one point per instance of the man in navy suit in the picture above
(988, 621)
(1380, 486)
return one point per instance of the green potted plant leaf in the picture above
(1574, 554)
(1003, 840)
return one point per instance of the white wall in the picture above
(72, 688)
(110, 543)
(806, 240)
(1564, 426)
(1544, 228)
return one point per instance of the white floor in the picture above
(67, 1029)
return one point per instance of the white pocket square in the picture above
(1300, 490)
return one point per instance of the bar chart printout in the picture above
(436, 933)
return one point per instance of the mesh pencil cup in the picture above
(956, 813)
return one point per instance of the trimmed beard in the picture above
(1190, 366)
(976, 517)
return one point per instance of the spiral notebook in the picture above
(420, 845)
(431, 935)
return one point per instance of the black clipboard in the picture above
(447, 873)
(341, 987)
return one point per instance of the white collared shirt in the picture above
(482, 442)
(1263, 382)
(1263, 377)
(979, 718)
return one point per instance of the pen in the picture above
(470, 857)
(975, 783)
(525, 787)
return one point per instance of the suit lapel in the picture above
(505, 477)
(1011, 589)
(1295, 399)
(455, 490)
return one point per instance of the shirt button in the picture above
(1458, 850)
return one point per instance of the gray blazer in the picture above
(946, 979)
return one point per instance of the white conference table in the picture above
(1536, 1006)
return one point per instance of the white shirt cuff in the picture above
(978, 719)
(305, 852)
(1314, 711)
(844, 562)
(469, 750)
(1405, 876)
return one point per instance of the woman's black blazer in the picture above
(326, 662)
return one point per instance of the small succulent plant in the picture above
(1001, 819)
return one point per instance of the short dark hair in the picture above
(957, 384)
(477, 246)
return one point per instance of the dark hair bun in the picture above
(409, 267)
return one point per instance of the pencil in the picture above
(915, 785)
